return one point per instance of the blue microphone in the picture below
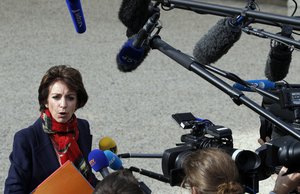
(99, 162)
(130, 57)
(76, 13)
(261, 84)
(114, 161)
(135, 50)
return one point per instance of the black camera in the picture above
(282, 149)
(205, 134)
(287, 108)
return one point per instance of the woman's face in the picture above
(61, 102)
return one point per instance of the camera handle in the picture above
(237, 96)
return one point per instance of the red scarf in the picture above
(64, 137)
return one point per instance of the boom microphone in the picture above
(279, 58)
(77, 16)
(135, 50)
(134, 14)
(219, 39)
(107, 143)
(99, 162)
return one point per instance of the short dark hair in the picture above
(119, 182)
(70, 76)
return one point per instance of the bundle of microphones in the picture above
(140, 17)
(106, 156)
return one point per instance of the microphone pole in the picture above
(221, 10)
(236, 95)
(264, 34)
(237, 79)
(150, 174)
(138, 155)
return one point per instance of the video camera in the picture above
(282, 149)
(205, 134)
(287, 108)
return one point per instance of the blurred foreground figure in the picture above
(211, 171)
(119, 182)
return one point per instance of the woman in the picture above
(56, 137)
(211, 171)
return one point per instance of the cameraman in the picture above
(211, 171)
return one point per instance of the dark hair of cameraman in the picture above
(211, 171)
(119, 182)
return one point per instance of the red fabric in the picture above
(63, 136)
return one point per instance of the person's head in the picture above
(119, 182)
(211, 171)
(62, 91)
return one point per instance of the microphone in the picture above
(135, 50)
(77, 16)
(114, 161)
(262, 84)
(219, 39)
(134, 14)
(99, 162)
(107, 143)
(279, 58)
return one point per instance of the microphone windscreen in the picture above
(134, 14)
(130, 57)
(278, 62)
(280, 56)
(114, 161)
(97, 160)
(107, 143)
(219, 39)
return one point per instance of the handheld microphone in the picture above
(262, 84)
(107, 143)
(279, 58)
(219, 39)
(99, 162)
(114, 161)
(135, 50)
(134, 14)
(77, 16)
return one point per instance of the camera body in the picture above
(282, 149)
(205, 134)
(287, 109)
